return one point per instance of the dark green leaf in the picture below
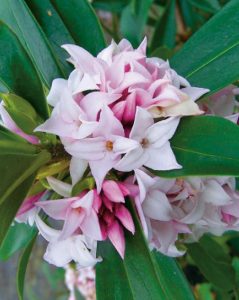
(22, 267)
(110, 5)
(165, 30)
(133, 22)
(201, 147)
(82, 23)
(17, 237)
(17, 72)
(141, 275)
(213, 262)
(19, 173)
(210, 57)
(54, 28)
(211, 6)
(162, 52)
(9, 208)
(17, 15)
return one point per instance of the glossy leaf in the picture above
(17, 72)
(141, 275)
(17, 15)
(211, 51)
(21, 234)
(54, 29)
(213, 262)
(133, 21)
(22, 267)
(82, 23)
(201, 147)
(165, 30)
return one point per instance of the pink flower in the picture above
(113, 215)
(77, 214)
(28, 211)
(153, 148)
(103, 150)
(11, 125)
(137, 80)
(60, 252)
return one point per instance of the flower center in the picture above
(144, 143)
(109, 145)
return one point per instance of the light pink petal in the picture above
(107, 117)
(60, 187)
(91, 227)
(144, 182)
(88, 148)
(130, 108)
(156, 206)
(93, 102)
(162, 158)
(77, 169)
(29, 203)
(125, 218)
(194, 92)
(162, 131)
(56, 209)
(143, 120)
(132, 160)
(46, 231)
(116, 236)
(85, 202)
(124, 145)
(215, 194)
(112, 191)
(79, 82)
(72, 222)
(141, 216)
(58, 88)
(100, 168)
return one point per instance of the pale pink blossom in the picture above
(103, 150)
(153, 148)
(77, 214)
(61, 252)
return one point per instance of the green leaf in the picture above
(133, 21)
(21, 111)
(211, 6)
(19, 171)
(201, 147)
(165, 30)
(211, 51)
(115, 6)
(82, 23)
(213, 262)
(17, 72)
(54, 29)
(9, 208)
(141, 275)
(17, 15)
(204, 292)
(22, 267)
(17, 167)
(21, 234)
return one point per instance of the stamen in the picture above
(144, 143)
(109, 145)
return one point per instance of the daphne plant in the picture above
(119, 159)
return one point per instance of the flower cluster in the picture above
(115, 116)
